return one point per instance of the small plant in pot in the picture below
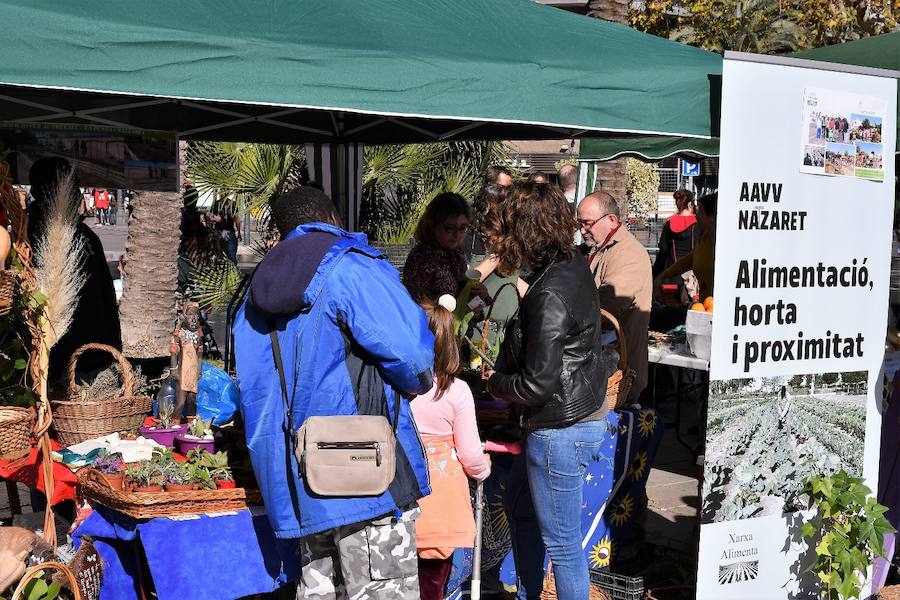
(201, 477)
(217, 464)
(111, 467)
(165, 430)
(179, 477)
(199, 435)
(144, 477)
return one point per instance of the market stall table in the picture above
(202, 557)
(679, 356)
(27, 470)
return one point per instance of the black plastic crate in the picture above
(619, 587)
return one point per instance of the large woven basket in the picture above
(8, 280)
(15, 432)
(76, 420)
(141, 505)
(619, 383)
(38, 571)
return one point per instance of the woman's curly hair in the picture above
(533, 224)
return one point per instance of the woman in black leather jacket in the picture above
(550, 364)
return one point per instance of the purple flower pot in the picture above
(187, 443)
(163, 437)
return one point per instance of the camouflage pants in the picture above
(368, 560)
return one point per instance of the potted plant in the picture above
(199, 435)
(848, 530)
(201, 477)
(217, 464)
(110, 466)
(165, 430)
(144, 477)
(178, 477)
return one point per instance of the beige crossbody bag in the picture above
(344, 456)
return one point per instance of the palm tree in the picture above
(147, 308)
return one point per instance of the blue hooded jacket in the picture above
(350, 335)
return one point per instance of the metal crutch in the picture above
(475, 588)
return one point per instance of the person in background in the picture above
(96, 317)
(678, 237)
(623, 276)
(702, 259)
(351, 339)
(119, 282)
(437, 265)
(112, 216)
(568, 181)
(538, 177)
(129, 203)
(445, 418)
(227, 224)
(550, 364)
(498, 175)
(101, 206)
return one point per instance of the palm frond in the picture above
(214, 284)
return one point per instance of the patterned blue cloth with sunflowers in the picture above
(612, 497)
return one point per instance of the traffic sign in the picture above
(690, 169)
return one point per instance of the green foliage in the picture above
(764, 26)
(39, 588)
(16, 345)
(399, 181)
(849, 529)
(213, 285)
(641, 186)
(250, 175)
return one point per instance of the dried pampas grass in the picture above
(58, 258)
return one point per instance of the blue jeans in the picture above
(543, 503)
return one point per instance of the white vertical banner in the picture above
(803, 240)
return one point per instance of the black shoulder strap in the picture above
(279, 366)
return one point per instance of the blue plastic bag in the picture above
(217, 395)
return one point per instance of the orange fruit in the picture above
(708, 304)
(698, 307)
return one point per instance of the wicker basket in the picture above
(619, 383)
(8, 281)
(76, 420)
(141, 505)
(32, 573)
(15, 432)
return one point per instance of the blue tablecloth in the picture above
(202, 557)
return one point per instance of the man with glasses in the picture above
(623, 274)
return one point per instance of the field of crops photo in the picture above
(767, 435)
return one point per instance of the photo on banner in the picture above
(802, 272)
(766, 435)
(841, 134)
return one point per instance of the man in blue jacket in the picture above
(350, 337)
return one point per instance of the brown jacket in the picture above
(624, 278)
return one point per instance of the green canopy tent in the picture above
(378, 71)
(345, 72)
(879, 52)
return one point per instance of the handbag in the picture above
(342, 456)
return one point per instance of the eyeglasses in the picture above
(588, 225)
(457, 228)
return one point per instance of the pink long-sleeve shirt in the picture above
(453, 413)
